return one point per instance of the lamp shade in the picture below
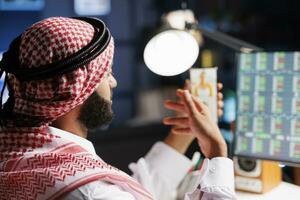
(171, 52)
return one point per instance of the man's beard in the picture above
(96, 112)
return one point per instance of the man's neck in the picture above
(74, 128)
(69, 122)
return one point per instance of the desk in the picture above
(281, 192)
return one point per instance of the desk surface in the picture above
(281, 192)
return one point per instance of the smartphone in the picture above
(204, 86)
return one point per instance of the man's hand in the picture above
(195, 121)
(182, 142)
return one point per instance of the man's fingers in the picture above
(190, 105)
(180, 93)
(198, 103)
(181, 131)
(187, 85)
(175, 106)
(220, 104)
(186, 99)
(220, 96)
(220, 86)
(220, 112)
(177, 121)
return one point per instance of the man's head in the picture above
(50, 41)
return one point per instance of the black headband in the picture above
(10, 62)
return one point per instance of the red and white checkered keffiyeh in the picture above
(48, 41)
(35, 164)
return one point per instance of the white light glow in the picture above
(281, 165)
(171, 52)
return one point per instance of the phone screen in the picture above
(204, 86)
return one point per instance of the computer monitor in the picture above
(268, 106)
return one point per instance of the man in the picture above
(59, 79)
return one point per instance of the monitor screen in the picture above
(268, 106)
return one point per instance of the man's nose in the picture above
(113, 82)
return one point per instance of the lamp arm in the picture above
(229, 41)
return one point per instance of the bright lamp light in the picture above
(171, 52)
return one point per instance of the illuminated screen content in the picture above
(268, 109)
